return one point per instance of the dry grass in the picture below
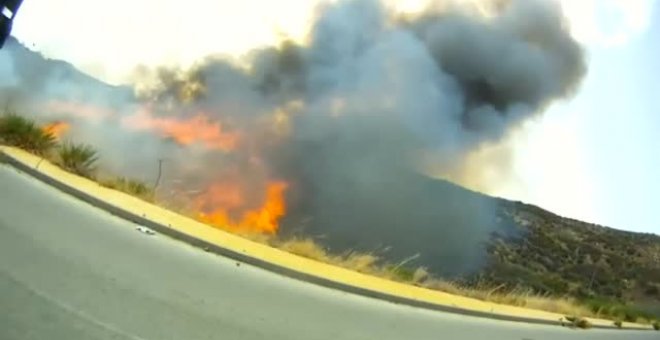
(307, 247)
(130, 186)
(516, 297)
(363, 263)
(370, 264)
(562, 305)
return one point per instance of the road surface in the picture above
(71, 271)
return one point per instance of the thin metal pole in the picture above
(160, 172)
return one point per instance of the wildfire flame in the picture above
(56, 129)
(225, 198)
(228, 203)
(198, 128)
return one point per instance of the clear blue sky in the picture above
(619, 116)
(595, 157)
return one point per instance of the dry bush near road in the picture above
(130, 186)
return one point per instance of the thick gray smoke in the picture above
(447, 82)
(371, 92)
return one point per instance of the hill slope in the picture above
(562, 256)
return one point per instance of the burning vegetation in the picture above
(216, 203)
(197, 129)
(57, 129)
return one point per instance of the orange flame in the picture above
(185, 131)
(228, 204)
(265, 219)
(56, 129)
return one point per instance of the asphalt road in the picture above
(70, 271)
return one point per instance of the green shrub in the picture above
(656, 325)
(617, 310)
(78, 158)
(24, 133)
(618, 324)
(630, 316)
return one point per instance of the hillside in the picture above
(562, 256)
(27, 76)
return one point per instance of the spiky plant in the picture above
(24, 133)
(78, 158)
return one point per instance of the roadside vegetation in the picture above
(613, 273)
(79, 159)
(514, 278)
(21, 132)
(130, 186)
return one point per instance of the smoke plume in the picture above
(347, 119)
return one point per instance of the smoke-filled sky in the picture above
(593, 156)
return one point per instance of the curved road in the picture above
(71, 271)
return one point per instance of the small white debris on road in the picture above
(145, 230)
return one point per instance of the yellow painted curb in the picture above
(279, 258)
